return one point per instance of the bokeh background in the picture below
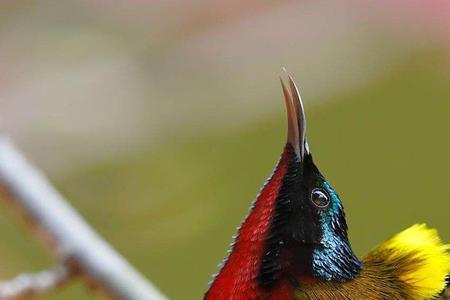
(160, 120)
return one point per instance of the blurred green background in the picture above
(160, 120)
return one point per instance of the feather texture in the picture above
(412, 265)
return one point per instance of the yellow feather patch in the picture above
(425, 260)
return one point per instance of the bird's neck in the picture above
(238, 278)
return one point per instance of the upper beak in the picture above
(296, 116)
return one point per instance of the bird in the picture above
(294, 245)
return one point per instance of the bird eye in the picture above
(320, 198)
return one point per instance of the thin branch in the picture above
(32, 284)
(73, 239)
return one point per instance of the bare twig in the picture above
(31, 284)
(73, 239)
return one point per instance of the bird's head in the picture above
(308, 230)
(296, 231)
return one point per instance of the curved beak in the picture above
(296, 116)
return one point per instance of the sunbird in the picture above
(293, 245)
